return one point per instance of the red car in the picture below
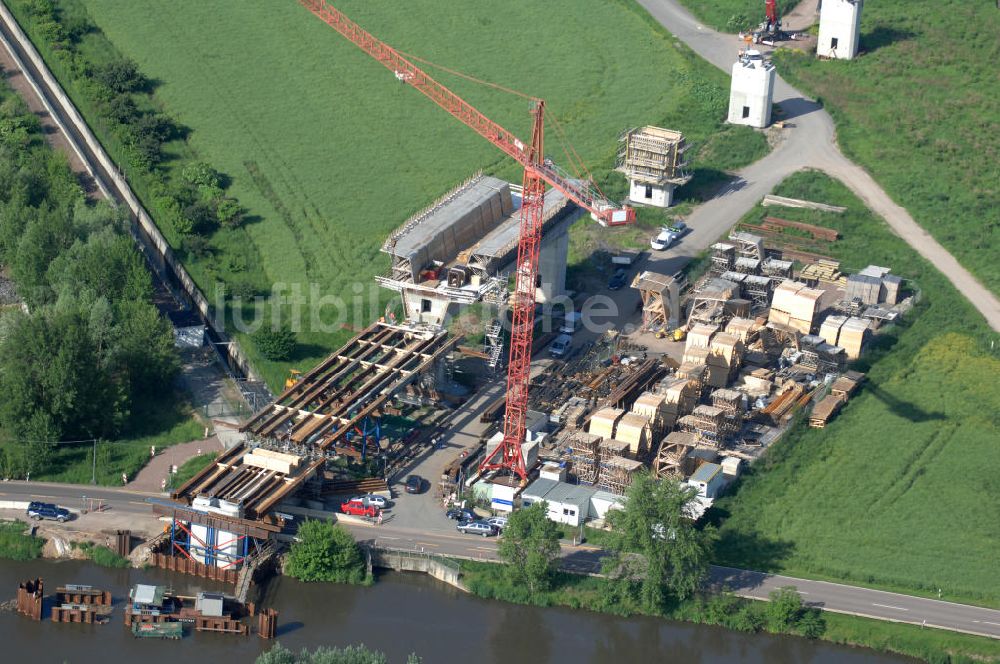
(357, 507)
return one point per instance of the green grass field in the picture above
(897, 491)
(328, 152)
(732, 15)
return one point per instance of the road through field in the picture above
(810, 143)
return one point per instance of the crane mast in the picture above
(537, 172)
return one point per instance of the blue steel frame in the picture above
(370, 426)
(211, 551)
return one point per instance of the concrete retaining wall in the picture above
(13, 505)
(405, 561)
(118, 188)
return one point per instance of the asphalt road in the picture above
(810, 142)
(441, 538)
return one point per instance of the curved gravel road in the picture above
(810, 143)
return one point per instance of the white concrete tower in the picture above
(752, 91)
(839, 29)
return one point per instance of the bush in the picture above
(200, 174)
(104, 556)
(120, 75)
(275, 345)
(326, 552)
(15, 545)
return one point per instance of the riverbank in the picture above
(742, 615)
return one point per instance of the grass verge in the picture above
(734, 15)
(192, 467)
(15, 545)
(103, 556)
(892, 493)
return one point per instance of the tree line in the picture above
(88, 341)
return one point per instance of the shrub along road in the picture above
(822, 594)
(810, 143)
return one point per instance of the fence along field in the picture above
(329, 152)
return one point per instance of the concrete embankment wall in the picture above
(404, 561)
(108, 178)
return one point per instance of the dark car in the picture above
(461, 515)
(618, 279)
(39, 511)
(414, 484)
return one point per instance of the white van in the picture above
(572, 322)
(560, 346)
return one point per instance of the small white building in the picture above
(603, 502)
(839, 29)
(708, 479)
(567, 503)
(751, 93)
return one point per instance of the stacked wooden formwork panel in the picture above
(854, 334)
(604, 422)
(653, 406)
(610, 448)
(674, 447)
(726, 353)
(680, 397)
(585, 455)
(729, 401)
(794, 305)
(617, 474)
(712, 425)
(743, 329)
(634, 430)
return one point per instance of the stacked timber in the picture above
(726, 353)
(824, 410)
(730, 401)
(700, 336)
(846, 385)
(680, 397)
(824, 269)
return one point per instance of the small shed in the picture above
(708, 479)
(603, 502)
(210, 604)
(567, 503)
(148, 597)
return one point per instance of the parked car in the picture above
(414, 484)
(378, 501)
(560, 346)
(358, 507)
(679, 228)
(572, 321)
(618, 279)
(663, 241)
(39, 511)
(461, 514)
(498, 522)
(476, 528)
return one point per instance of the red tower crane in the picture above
(537, 172)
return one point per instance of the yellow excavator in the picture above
(294, 375)
(679, 333)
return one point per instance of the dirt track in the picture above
(810, 143)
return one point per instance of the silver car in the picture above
(374, 499)
(475, 528)
(498, 522)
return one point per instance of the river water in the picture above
(400, 614)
